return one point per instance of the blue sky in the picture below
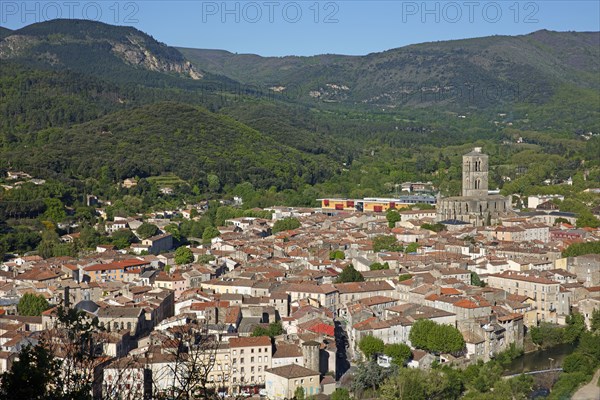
(308, 27)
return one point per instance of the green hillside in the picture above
(188, 141)
(483, 73)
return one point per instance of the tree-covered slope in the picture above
(168, 137)
(117, 52)
(481, 72)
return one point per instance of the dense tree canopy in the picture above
(183, 255)
(32, 304)
(379, 266)
(350, 274)
(285, 224)
(399, 352)
(440, 338)
(147, 230)
(386, 243)
(370, 345)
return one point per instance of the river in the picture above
(540, 359)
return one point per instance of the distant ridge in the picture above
(542, 60)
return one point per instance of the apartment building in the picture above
(250, 358)
(551, 301)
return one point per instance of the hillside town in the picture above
(263, 311)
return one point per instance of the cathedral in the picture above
(475, 206)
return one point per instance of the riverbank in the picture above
(541, 359)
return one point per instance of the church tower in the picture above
(475, 174)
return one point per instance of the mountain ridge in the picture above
(56, 44)
(390, 78)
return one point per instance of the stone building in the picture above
(475, 206)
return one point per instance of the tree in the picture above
(416, 384)
(386, 243)
(349, 274)
(299, 393)
(214, 183)
(183, 255)
(370, 346)
(369, 375)
(32, 375)
(32, 305)
(337, 255)
(286, 224)
(55, 210)
(475, 280)
(123, 238)
(205, 258)
(39, 374)
(587, 219)
(595, 323)
(575, 327)
(88, 238)
(404, 277)
(379, 266)
(580, 249)
(340, 394)
(274, 329)
(437, 227)
(147, 230)
(411, 248)
(209, 233)
(399, 352)
(193, 357)
(428, 335)
(392, 217)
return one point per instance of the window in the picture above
(252, 359)
(242, 351)
(259, 359)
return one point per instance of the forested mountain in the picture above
(482, 72)
(168, 137)
(97, 49)
(4, 32)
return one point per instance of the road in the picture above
(591, 391)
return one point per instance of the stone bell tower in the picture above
(475, 174)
